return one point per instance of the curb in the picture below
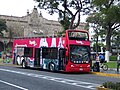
(101, 88)
(106, 74)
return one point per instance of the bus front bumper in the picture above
(76, 69)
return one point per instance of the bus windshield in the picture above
(79, 54)
(78, 35)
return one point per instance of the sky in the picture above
(19, 8)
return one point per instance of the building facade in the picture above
(30, 25)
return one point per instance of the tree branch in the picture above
(78, 21)
(111, 3)
(116, 26)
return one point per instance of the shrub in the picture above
(111, 85)
(113, 58)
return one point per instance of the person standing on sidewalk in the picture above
(96, 66)
(7, 57)
(3, 56)
(118, 62)
(97, 62)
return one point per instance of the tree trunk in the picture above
(97, 44)
(108, 44)
(72, 22)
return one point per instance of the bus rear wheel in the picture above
(24, 64)
(52, 67)
(18, 60)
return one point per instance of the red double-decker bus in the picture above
(70, 53)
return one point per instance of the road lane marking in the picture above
(13, 85)
(87, 85)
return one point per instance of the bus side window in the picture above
(28, 52)
(54, 53)
(45, 52)
(49, 53)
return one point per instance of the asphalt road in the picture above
(16, 78)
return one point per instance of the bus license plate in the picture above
(81, 69)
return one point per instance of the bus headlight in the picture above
(88, 65)
(72, 65)
(74, 61)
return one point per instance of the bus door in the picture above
(62, 59)
(37, 57)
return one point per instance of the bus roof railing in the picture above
(41, 36)
(47, 36)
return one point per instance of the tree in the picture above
(68, 10)
(64, 24)
(3, 26)
(108, 14)
(99, 32)
(11, 33)
(116, 40)
(99, 45)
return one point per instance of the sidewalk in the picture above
(111, 72)
(8, 64)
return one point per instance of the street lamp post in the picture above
(4, 46)
(4, 42)
(95, 44)
(4, 50)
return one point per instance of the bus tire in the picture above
(18, 60)
(52, 67)
(24, 64)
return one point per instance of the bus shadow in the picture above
(74, 73)
(60, 72)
